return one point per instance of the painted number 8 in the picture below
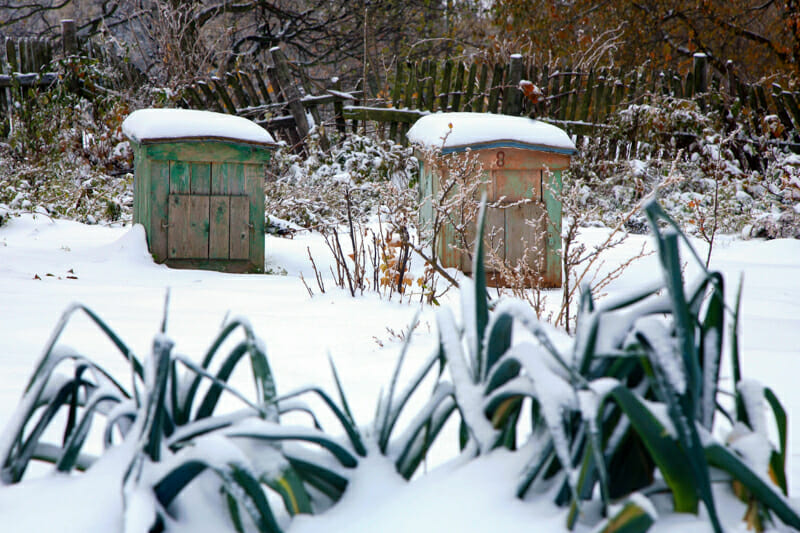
(501, 158)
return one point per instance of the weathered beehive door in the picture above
(525, 223)
(521, 162)
(209, 217)
(523, 220)
(208, 227)
(526, 237)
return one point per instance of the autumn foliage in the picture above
(760, 37)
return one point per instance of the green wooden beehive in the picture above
(522, 160)
(199, 187)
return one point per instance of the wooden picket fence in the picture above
(271, 97)
(21, 65)
(24, 65)
(579, 101)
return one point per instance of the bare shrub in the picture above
(583, 266)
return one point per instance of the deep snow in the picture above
(46, 264)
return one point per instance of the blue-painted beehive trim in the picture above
(509, 144)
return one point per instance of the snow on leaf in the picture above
(752, 394)
(468, 318)
(469, 395)
(665, 351)
(554, 393)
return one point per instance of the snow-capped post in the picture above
(341, 125)
(69, 39)
(512, 97)
(700, 78)
(290, 93)
(518, 162)
(199, 187)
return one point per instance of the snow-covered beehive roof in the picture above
(454, 132)
(168, 125)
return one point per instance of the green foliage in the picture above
(65, 155)
(168, 409)
(309, 190)
(633, 397)
(169, 416)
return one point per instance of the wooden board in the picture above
(219, 234)
(426, 184)
(552, 202)
(494, 238)
(449, 257)
(180, 177)
(526, 231)
(210, 150)
(156, 209)
(218, 177)
(201, 178)
(516, 184)
(240, 228)
(254, 176)
(519, 158)
(187, 237)
(141, 168)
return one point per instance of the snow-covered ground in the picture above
(45, 265)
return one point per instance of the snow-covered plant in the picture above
(308, 189)
(163, 429)
(728, 180)
(66, 156)
(172, 446)
(627, 412)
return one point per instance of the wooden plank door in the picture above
(187, 237)
(494, 239)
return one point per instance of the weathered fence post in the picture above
(700, 77)
(494, 90)
(458, 88)
(11, 55)
(398, 84)
(69, 38)
(512, 97)
(290, 92)
(341, 126)
(444, 88)
(408, 97)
